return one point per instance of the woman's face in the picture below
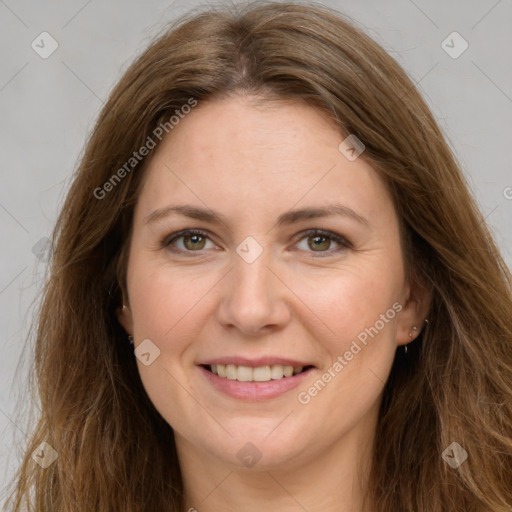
(257, 295)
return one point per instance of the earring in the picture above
(124, 307)
(130, 339)
(414, 328)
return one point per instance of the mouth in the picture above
(266, 373)
(254, 379)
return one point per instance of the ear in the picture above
(124, 317)
(416, 306)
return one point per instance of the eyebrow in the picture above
(286, 218)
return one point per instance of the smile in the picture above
(243, 373)
(254, 380)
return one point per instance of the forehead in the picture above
(241, 155)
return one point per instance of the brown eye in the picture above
(319, 242)
(187, 241)
(193, 241)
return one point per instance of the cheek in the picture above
(162, 296)
(167, 309)
(360, 310)
(360, 307)
(355, 299)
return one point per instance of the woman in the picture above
(257, 373)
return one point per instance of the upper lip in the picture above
(260, 361)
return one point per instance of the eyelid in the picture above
(343, 243)
(166, 242)
(336, 237)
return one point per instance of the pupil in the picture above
(195, 239)
(317, 238)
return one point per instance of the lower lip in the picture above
(254, 391)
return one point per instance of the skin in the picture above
(252, 162)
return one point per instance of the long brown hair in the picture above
(115, 452)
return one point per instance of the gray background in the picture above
(48, 107)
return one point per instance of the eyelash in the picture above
(341, 241)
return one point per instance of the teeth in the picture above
(258, 374)
(276, 372)
(241, 373)
(288, 371)
(221, 370)
(261, 374)
(231, 371)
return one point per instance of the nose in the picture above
(254, 298)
